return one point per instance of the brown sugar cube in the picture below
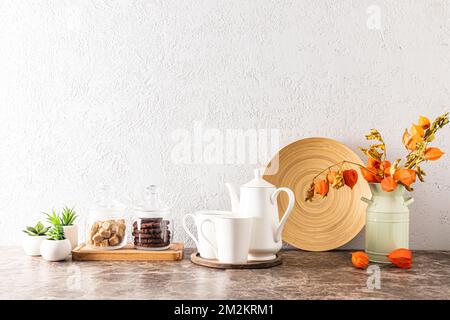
(104, 233)
(96, 225)
(114, 240)
(93, 230)
(121, 229)
(114, 228)
(97, 238)
(120, 221)
(106, 225)
(104, 243)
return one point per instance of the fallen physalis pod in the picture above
(360, 260)
(401, 258)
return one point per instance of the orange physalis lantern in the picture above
(401, 258)
(321, 187)
(350, 177)
(405, 176)
(388, 184)
(433, 153)
(424, 122)
(360, 260)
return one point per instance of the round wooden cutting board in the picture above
(323, 224)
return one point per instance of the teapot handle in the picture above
(287, 212)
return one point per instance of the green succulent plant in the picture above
(53, 218)
(65, 218)
(68, 216)
(56, 233)
(38, 230)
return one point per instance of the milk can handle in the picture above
(368, 201)
(408, 201)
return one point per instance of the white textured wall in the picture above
(90, 92)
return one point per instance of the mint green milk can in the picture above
(387, 222)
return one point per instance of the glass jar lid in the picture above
(152, 206)
(105, 206)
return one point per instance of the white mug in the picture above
(233, 235)
(203, 247)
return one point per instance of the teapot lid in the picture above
(258, 181)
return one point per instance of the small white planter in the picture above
(71, 233)
(31, 245)
(55, 250)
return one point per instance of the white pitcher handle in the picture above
(277, 235)
(210, 244)
(187, 230)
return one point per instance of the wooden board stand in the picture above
(196, 259)
(127, 253)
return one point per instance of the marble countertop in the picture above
(303, 275)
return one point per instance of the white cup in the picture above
(203, 247)
(233, 235)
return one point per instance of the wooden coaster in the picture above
(128, 253)
(323, 224)
(196, 259)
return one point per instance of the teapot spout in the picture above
(233, 196)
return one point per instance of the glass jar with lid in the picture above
(152, 222)
(106, 224)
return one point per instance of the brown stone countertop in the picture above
(303, 275)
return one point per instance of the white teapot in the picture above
(258, 200)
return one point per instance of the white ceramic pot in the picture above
(55, 250)
(31, 245)
(71, 233)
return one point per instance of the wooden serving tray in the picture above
(196, 259)
(127, 253)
